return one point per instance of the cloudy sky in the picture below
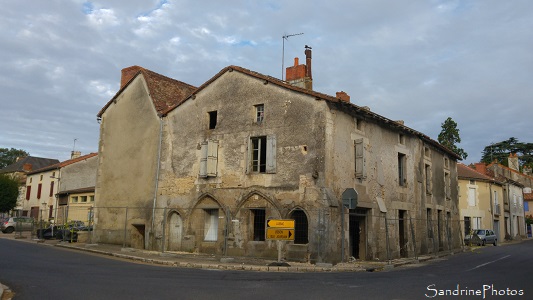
(417, 61)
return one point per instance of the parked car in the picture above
(481, 237)
(49, 233)
(16, 223)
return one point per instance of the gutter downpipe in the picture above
(156, 183)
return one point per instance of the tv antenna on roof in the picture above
(285, 37)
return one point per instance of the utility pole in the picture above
(285, 37)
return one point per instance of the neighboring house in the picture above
(480, 201)
(48, 190)
(207, 172)
(19, 170)
(76, 189)
(513, 184)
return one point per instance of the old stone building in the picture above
(207, 172)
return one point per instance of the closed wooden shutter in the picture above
(271, 154)
(212, 158)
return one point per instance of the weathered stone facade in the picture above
(245, 147)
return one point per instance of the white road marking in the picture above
(487, 263)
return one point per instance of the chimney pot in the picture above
(296, 61)
(75, 154)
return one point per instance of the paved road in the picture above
(36, 271)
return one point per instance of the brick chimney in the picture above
(481, 168)
(127, 74)
(300, 75)
(343, 96)
(27, 167)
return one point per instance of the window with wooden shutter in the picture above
(360, 167)
(39, 188)
(28, 192)
(209, 158)
(51, 188)
(271, 154)
(212, 158)
(203, 159)
(428, 179)
(262, 155)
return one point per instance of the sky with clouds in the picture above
(417, 61)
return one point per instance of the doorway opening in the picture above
(357, 233)
(401, 233)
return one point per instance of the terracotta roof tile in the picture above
(465, 172)
(164, 91)
(64, 163)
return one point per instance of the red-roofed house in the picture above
(45, 186)
(480, 201)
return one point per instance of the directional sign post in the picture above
(279, 230)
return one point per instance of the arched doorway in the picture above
(175, 230)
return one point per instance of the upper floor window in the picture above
(401, 170)
(209, 158)
(447, 185)
(427, 152)
(262, 154)
(401, 139)
(259, 113)
(212, 119)
(41, 178)
(446, 163)
(360, 167)
(427, 171)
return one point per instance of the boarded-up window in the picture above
(360, 160)
(447, 185)
(427, 170)
(209, 158)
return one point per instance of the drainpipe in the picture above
(156, 183)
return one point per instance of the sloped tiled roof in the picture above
(64, 163)
(35, 162)
(164, 91)
(465, 172)
(318, 96)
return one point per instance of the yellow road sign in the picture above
(280, 234)
(288, 224)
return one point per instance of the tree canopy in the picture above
(449, 137)
(9, 156)
(500, 152)
(9, 192)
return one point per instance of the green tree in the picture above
(9, 192)
(9, 156)
(500, 152)
(449, 137)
